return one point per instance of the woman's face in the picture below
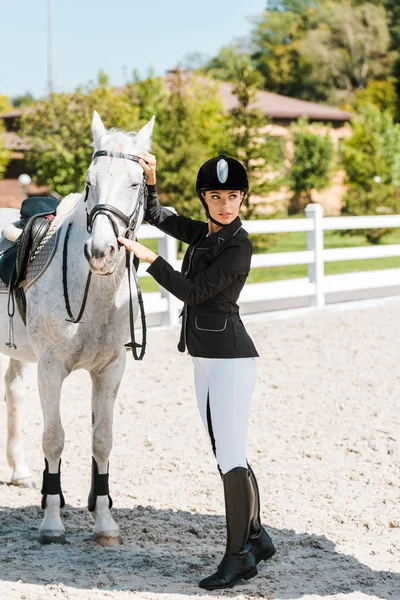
(223, 205)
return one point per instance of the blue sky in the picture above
(115, 35)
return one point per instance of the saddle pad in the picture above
(5, 245)
(39, 261)
(43, 256)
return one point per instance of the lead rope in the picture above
(133, 345)
(65, 283)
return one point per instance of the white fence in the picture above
(255, 297)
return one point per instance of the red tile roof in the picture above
(276, 106)
(14, 142)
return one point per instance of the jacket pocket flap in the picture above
(211, 323)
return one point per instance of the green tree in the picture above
(149, 95)
(191, 127)
(59, 130)
(276, 53)
(348, 47)
(249, 141)
(311, 165)
(5, 154)
(22, 101)
(296, 6)
(372, 163)
(224, 66)
(379, 93)
(5, 104)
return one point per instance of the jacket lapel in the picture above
(223, 235)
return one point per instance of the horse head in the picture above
(115, 192)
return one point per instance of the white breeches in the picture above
(224, 387)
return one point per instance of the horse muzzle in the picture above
(102, 261)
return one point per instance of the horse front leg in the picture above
(104, 392)
(50, 378)
(14, 397)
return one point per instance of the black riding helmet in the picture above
(220, 173)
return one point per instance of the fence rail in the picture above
(256, 296)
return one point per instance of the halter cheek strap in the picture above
(130, 223)
(110, 211)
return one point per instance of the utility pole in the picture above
(50, 69)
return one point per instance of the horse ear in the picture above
(98, 129)
(143, 137)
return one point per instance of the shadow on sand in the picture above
(166, 551)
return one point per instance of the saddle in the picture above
(35, 218)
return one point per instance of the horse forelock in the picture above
(122, 141)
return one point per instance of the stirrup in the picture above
(10, 345)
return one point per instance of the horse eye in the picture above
(87, 183)
(135, 185)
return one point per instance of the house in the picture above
(280, 111)
(11, 192)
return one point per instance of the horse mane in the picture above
(66, 206)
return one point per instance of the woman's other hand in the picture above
(138, 250)
(148, 163)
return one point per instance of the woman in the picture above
(214, 270)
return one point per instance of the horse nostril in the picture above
(111, 251)
(87, 251)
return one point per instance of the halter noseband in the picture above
(108, 210)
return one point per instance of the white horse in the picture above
(97, 342)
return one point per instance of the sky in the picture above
(117, 36)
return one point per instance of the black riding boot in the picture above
(259, 540)
(238, 561)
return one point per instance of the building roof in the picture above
(12, 114)
(15, 142)
(276, 106)
(273, 106)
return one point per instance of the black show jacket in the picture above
(214, 271)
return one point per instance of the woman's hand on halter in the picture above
(138, 250)
(148, 163)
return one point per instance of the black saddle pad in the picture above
(7, 264)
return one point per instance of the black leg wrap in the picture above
(99, 487)
(51, 485)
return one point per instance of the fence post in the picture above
(167, 248)
(315, 242)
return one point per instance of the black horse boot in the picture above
(238, 561)
(259, 540)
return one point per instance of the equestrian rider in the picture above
(214, 271)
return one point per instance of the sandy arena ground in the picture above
(323, 440)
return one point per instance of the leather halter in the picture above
(130, 223)
(108, 210)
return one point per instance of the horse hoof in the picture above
(26, 482)
(105, 540)
(52, 538)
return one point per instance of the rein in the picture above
(130, 223)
